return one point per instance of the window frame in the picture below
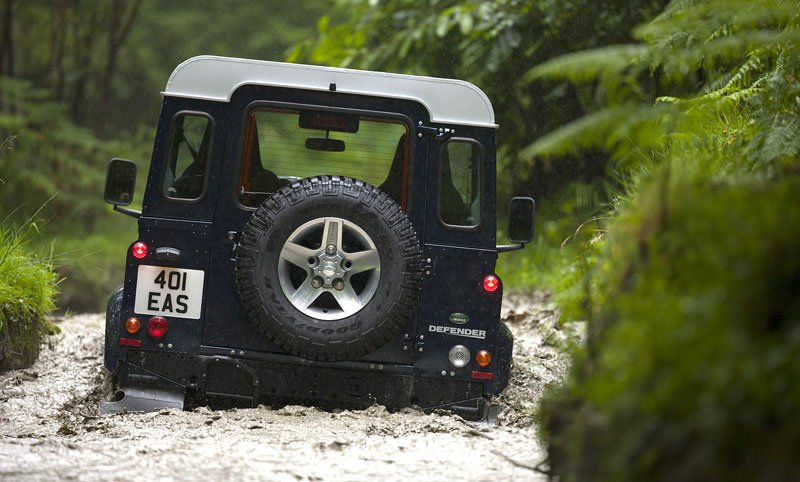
(481, 181)
(169, 153)
(297, 106)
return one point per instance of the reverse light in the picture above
(491, 283)
(458, 356)
(132, 325)
(483, 358)
(139, 250)
(157, 327)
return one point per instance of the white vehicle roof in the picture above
(216, 78)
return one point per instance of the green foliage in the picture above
(27, 291)
(691, 364)
(692, 290)
(708, 61)
(734, 108)
(60, 166)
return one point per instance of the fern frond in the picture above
(721, 52)
(724, 31)
(718, 18)
(637, 123)
(588, 65)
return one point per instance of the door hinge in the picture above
(427, 265)
(439, 133)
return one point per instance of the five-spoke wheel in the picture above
(329, 268)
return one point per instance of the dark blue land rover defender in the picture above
(313, 235)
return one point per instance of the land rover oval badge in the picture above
(459, 318)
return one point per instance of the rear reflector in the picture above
(482, 375)
(130, 342)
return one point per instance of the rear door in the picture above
(171, 279)
(269, 151)
(459, 249)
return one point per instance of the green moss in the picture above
(691, 367)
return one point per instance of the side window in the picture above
(459, 183)
(187, 160)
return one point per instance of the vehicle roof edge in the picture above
(215, 78)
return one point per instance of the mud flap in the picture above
(143, 400)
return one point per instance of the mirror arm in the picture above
(504, 248)
(128, 212)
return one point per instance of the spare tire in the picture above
(329, 268)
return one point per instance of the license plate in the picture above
(169, 292)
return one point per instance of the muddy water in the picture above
(50, 429)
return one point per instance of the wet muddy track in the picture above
(50, 429)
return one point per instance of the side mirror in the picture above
(120, 182)
(521, 214)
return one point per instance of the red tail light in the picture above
(157, 327)
(491, 283)
(139, 250)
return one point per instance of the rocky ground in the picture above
(50, 429)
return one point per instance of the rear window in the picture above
(187, 160)
(459, 183)
(282, 146)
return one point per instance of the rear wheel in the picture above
(329, 268)
(329, 255)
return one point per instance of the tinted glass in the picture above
(459, 183)
(283, 146)
(187, 163)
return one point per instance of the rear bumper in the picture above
(228, 381)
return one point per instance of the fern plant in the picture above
(708, 61)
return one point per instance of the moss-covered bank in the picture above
(691, 370)
(27, 289)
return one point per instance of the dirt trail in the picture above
(49, 427)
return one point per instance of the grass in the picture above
(28, 285)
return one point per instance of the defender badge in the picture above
(451, 330)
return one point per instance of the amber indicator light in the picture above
(483, 358)
(133, 325)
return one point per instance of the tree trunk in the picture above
(120, 26)
(83, 38)
(58, 37)
(7, 43)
